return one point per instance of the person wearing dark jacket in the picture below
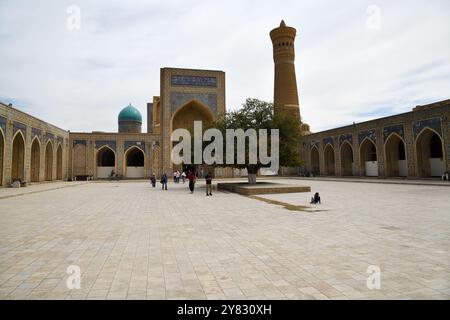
(153, 180)
(315, 199)
(192, 179)
(164, 179)
(208, 179)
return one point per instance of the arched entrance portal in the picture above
(134, 160)
(315, 163)
(329, 160)
(396, 165)
(185, 116)
(59, 163)
(369, 161)
(35, 160)
(2, 154)
(106, 163)
(347, 164)
(430, 155)
(18, 158)
(49, 162)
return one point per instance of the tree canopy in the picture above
(256, 114)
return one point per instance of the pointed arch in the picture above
(49, 161)
(17, 133)
(395, 156)
(315, 161)
(18, 157)
(430, 155)
(36, 138)
(105, 162)
(35, 160)
(427, 129)
(368, 158)
(59, 162)
(184, 117)
(134, 162)
(329, 160)
(347, 159)
(191, 111)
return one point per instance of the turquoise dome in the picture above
(130, 113)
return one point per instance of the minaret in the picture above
(285, 93)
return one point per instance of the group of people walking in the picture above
(191, 177)
(177, 175)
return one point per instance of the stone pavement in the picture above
(134, 242)
(36, 188)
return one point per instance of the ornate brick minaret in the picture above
(285, 93)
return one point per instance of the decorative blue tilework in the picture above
(434, 123)
(49, 137)
(194, 81)
(82, 142)
(398, 129)
(19, 126)
(371, 134)
(345, 137)
(101, 143)
(315, 144)
(60, 140)
(328, 140)
(179, 99)
(3, 124)
(129, 144)
(35, 133)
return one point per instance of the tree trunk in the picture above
(252, 171)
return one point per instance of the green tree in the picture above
(257, 114)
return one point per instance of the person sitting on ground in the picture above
(315, 199)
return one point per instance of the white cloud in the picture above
(79, 80)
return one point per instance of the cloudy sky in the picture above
(355, 61)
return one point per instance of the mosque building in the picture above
(35, 151)
(186, 96)
(413, 144)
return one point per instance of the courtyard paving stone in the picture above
(134, 242)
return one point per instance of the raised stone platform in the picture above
(261, 188)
